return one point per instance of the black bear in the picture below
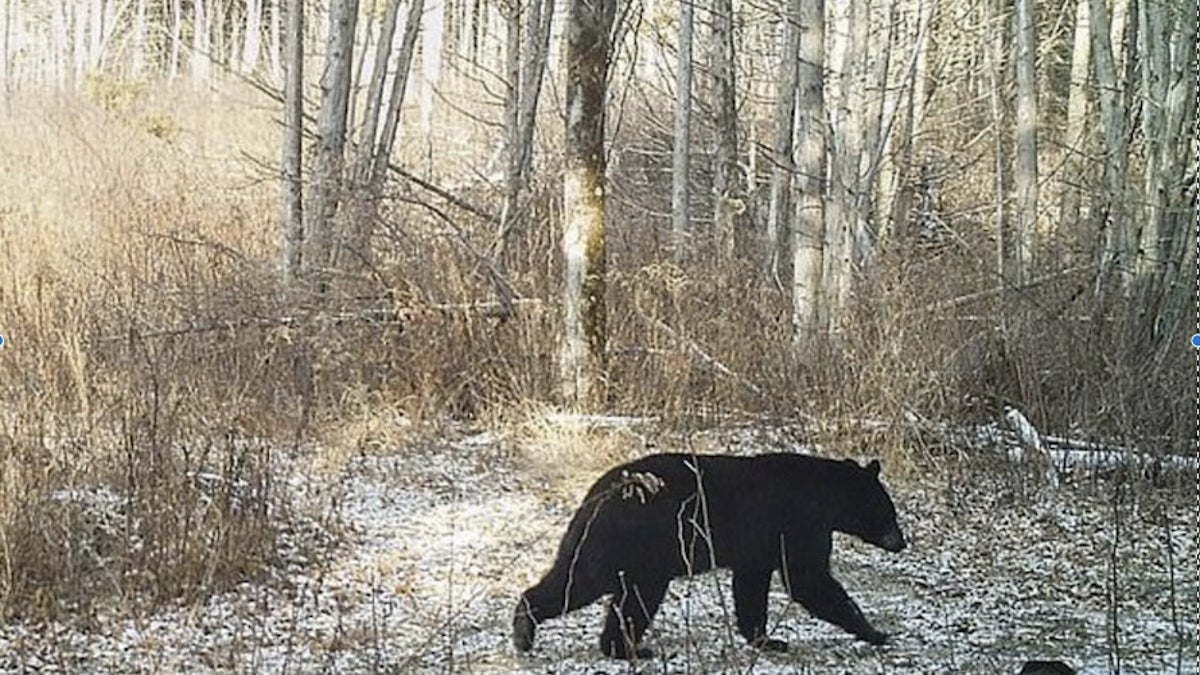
(665, 516)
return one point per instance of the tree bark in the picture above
(726, 190)
(176, 38)
(1074, 142)
(291, 191)
(808, 235)
(322, 243)
(584, 355)
(682, 146)
(785, 122)
(1025, 165)
(1107, 214)
(1002, 153)
(275, 43)
(252, 39)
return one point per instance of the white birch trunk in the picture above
(291, 190)
(275, 49)
(785, 116)
(176, 39)
(585, 331)
(726, 191)
(322, 243)
(681, 149)
(1025, 164)
(432, 45)
(1074, 142)
(808, 235)
(252, 38)
(1107, 212)
(199, 58)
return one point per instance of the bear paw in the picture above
(618, 649)
(875, 637)
(523, 631)
(771, 645)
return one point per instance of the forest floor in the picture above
(437, 537)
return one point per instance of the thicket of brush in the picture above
(152, 377)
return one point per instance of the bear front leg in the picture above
(555, 595)
(825, 599)
(630, 611)
(750, 590)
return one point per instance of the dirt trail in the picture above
(440, 536)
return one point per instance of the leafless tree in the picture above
(291, 191)
(1025, 160)
(727, 197)
(785, 115)
(585, 331)
(327, 182)
(808, 234)
(681, 148)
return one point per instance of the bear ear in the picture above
(873, 467)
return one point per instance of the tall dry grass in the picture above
(153, 380)
(134, 455)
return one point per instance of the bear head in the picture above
(870, 514)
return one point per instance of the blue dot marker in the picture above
(1196, 340)
(1, 340)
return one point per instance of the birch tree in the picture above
(785, 115)
(1025, 165)
(584, 358)
(1077, 118)
(528, 34)
(375, 142)
(326, 192)
(252, 40)
(1108, 206)
(808, 234)
(726, 191)
(291, 192)
(682, 145)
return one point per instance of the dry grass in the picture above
(157, 376)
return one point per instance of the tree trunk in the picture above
(726, 191)
(1074, 142)
(199, 59)
(808, 235)
(681, 148)
(291, 192)
(176, 38)
(1002, 154)
(584, 356)
(391, 124)
(914, 92)
(785, 121)
(1025, 165)
(276, 46)
(252, 40)
(844, 236)
(357, 221)
(433, 33)
(6, 75)
(528, 33)
(512, 141)
(1107, 215)
(322, 243)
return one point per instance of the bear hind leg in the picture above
(630, 612)
(750, 590)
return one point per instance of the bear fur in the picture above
(670, 515)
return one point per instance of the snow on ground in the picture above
(441, 536)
